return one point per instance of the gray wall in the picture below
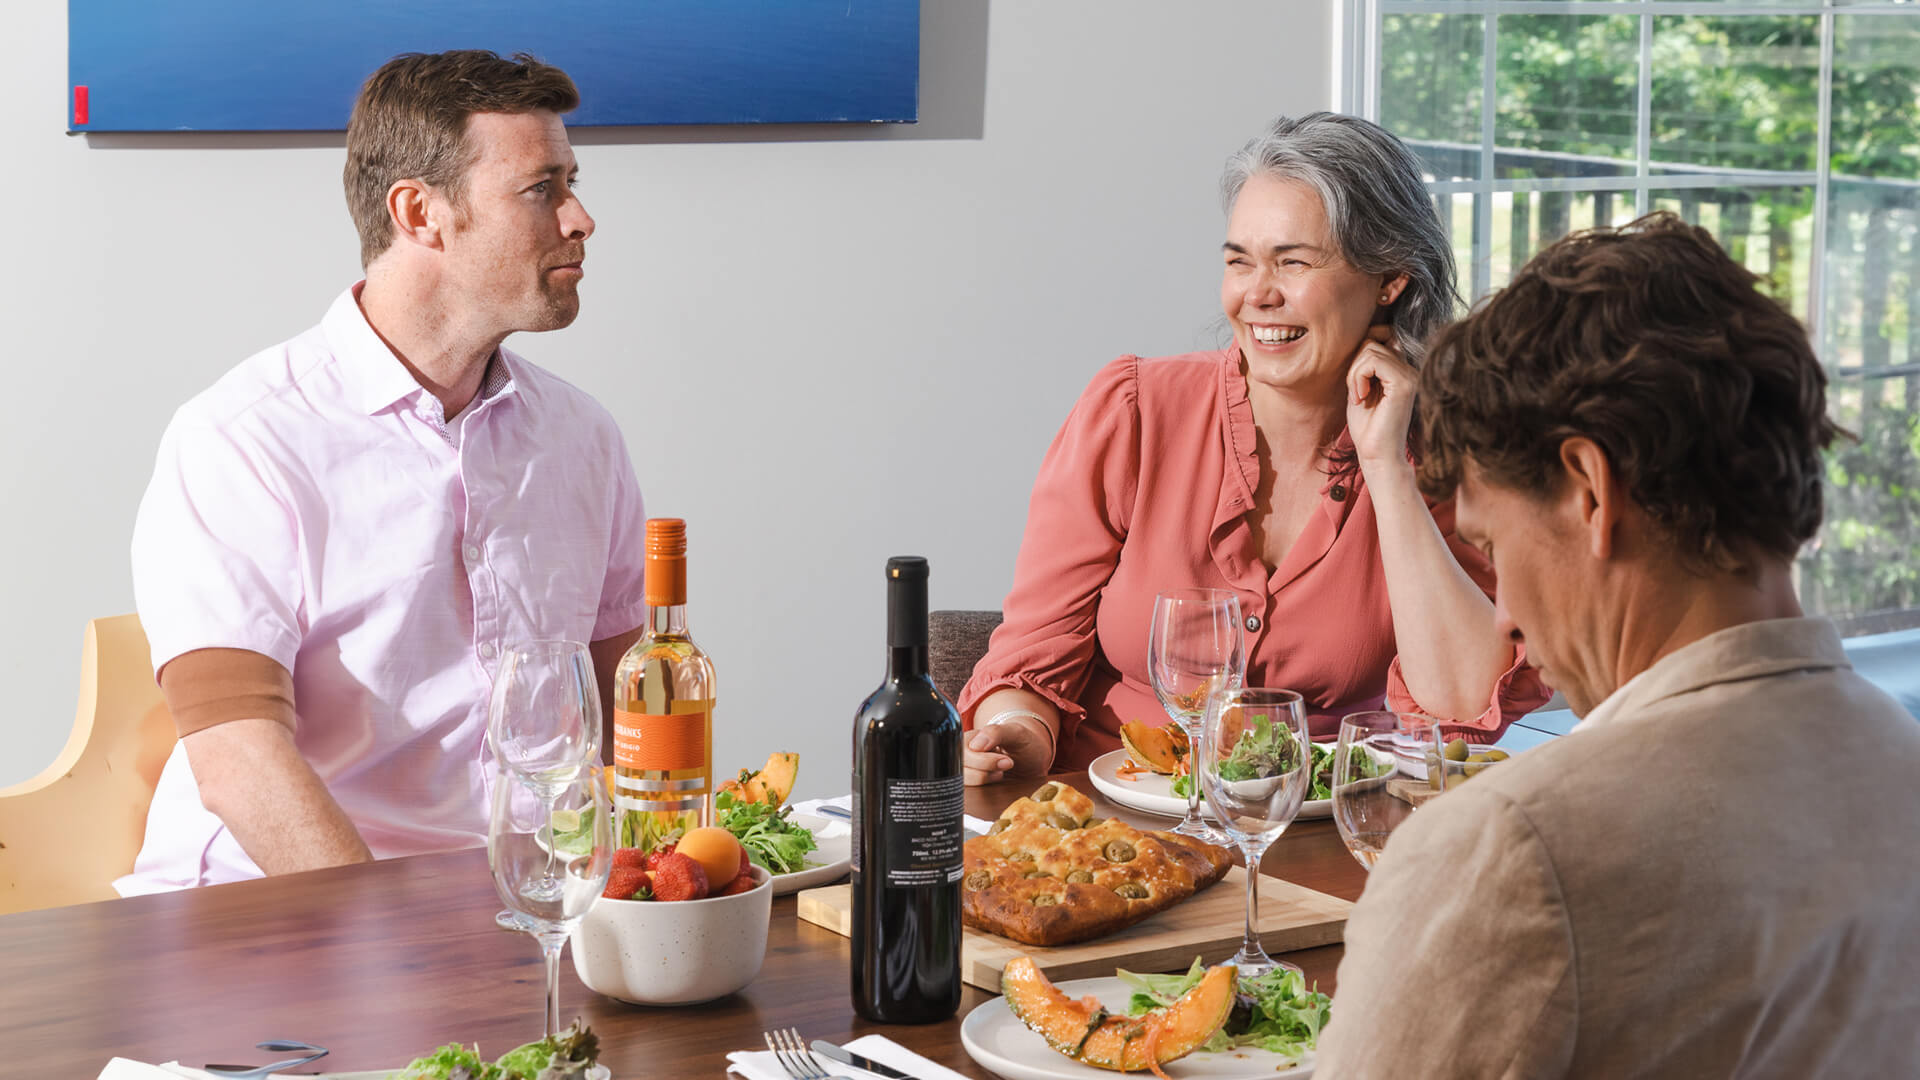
(826, 345)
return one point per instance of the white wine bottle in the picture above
(663, 709)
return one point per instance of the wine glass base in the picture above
(512, 920)
(1200, 830)
(1257, 963)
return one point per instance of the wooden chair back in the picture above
(68, 832)
(957, 641)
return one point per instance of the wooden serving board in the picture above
(1208, 925)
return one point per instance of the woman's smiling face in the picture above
(1298, 310)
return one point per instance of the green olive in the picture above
(1000, 826)
(1496, 755)
(1060, 819)
(1020, 856)
(1041, 899)
(1118, 851)
(979, 879)
(1131, 890)
(1457, 750)
(1081, 876)
(1046, 793)
(1038, 873)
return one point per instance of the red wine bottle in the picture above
(908, 803)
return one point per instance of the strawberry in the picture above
(629, 858)
(676, 877)
(663, 849)
(624, 882)
(737, 885)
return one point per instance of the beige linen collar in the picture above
(1749, 651)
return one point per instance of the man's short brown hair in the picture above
(410, 123)
(1703, 392)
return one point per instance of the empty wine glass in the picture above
(552, 890)
(1366, 808)
(1195, 648)
(543, 719)
(1256, 765)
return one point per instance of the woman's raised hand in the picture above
(1380, 391)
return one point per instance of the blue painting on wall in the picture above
(295, 65)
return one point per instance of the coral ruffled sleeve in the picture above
(1077, 520)
(1519, 690)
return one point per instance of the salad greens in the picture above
(772, 840)
(566, 1056)
(572, 837)
(1368, 766)
(1268, 749)
(1276, 1011)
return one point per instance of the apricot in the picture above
(717, 852)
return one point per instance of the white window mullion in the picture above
(1822, 171)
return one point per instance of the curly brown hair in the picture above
(1648, 339)
(410, 123)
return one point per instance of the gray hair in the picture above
(1377, 207)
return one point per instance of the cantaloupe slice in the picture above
(1089, 1034)
(1158, 748)
(771, 783)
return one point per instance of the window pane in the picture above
(1526, 221)
(1432, 70)
(1567, 86)
(1736, 92)
(1868, 554)
(1769, 230)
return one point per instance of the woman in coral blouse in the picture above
(1277, 467)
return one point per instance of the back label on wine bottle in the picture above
(923, 831)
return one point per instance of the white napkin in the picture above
(762, 1065)
(125, 1069)
(973, 825)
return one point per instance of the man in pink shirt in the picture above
(344, 532)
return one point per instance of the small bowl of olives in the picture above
(1455, 761)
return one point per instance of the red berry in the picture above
(676, 877)
(629, 858)
(624, 882)
(664, 849)
(737, 886)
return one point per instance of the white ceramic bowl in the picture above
(652, 952)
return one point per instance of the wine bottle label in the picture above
(923, 831)
(662, 742)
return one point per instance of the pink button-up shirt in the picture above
(315, 506)
(1147, 488)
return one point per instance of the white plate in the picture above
(1001, 1043)
(1152, 793)
(834, 854)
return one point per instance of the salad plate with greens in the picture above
(1112, 773)
(1270, 1034)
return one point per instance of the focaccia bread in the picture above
(1051, 873)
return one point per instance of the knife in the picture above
(847, 1057)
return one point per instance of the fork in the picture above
(794, 1056)
(282, 1046)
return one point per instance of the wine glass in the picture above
(1256, 764)
(1195, 648)
(1365, 762)
(543, 718)
(550, 889)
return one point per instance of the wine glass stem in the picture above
(1251, 855)
(550, 946)
(553, 841)
(1193, 775)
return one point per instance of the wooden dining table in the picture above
(384, 961)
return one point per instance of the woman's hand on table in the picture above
(1019, 747)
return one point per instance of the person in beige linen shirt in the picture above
(1716, 873)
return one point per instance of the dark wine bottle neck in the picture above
(907, 662)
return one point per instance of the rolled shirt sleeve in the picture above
(216, 561)
(1077, 521)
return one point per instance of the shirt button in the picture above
(1339, 493)
(486, 650)
(472, 552)
(1253, 623)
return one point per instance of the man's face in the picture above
(1548, 588)
(515, 248)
